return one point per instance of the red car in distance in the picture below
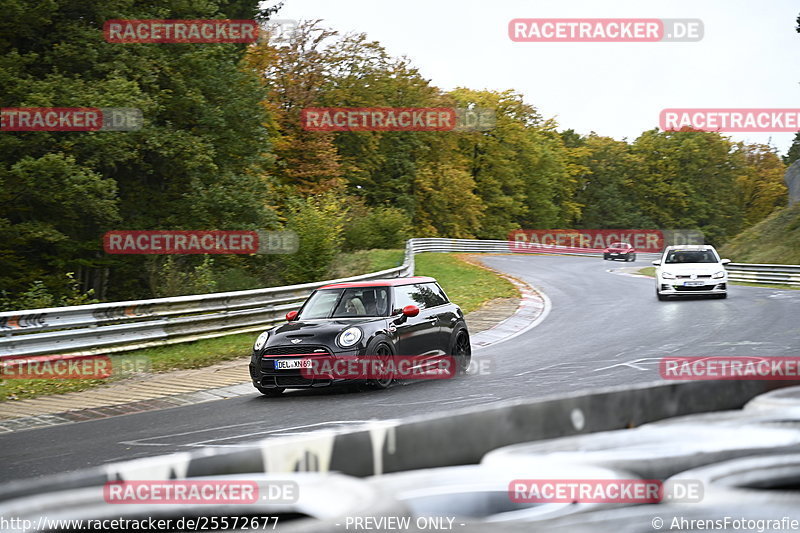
(619, 250)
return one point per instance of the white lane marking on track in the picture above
(619, 272)
(475, 397)
(785, 295)
(141, 442)
(631, 364)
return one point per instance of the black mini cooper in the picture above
(345, 322)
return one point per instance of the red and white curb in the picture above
(533, 309)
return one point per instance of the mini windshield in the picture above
(619, 245)
(691, 256)
(344, 303)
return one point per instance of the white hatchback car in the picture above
(691, 271)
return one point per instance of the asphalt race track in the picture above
(603, 329)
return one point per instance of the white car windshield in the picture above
(344, 303)
(691, 256)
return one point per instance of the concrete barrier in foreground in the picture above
(458, 438)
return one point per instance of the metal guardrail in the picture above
(119, 326)
(768, 274)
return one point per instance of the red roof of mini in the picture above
(394, 282)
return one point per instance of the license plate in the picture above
(693, 283)
(292, 364)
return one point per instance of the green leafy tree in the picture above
(319, 223)
(198, 163)
(521, 168)
(794, 151)
(607, 189)
(687, 180)
(451, 208)
(380, 227)
(760, 185)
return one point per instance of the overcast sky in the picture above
(747, 59)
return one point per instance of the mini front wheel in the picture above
(383, 352)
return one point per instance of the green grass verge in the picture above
(651, 272)
(159, 359)
(776, 239)
(467, 285)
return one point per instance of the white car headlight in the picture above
(667, 275)
(261, 340)
(718, 275)
(349, 337)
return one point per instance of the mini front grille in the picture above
(298, 349)
(690, 289)
(289, 381)
(704, 276)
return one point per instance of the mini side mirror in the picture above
(725, 261)
(291, 316)
(657, 263)
(410, 311)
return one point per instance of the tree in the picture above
(293, 75)
(607, 189)
(521, 167)
(451, 209)
(794, 151)
(199, 162)
(760, 184)
(687, 180)
(318, 222)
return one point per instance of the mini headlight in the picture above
(349, 337)
(667, 275)
(261, 340)
(718, 275)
